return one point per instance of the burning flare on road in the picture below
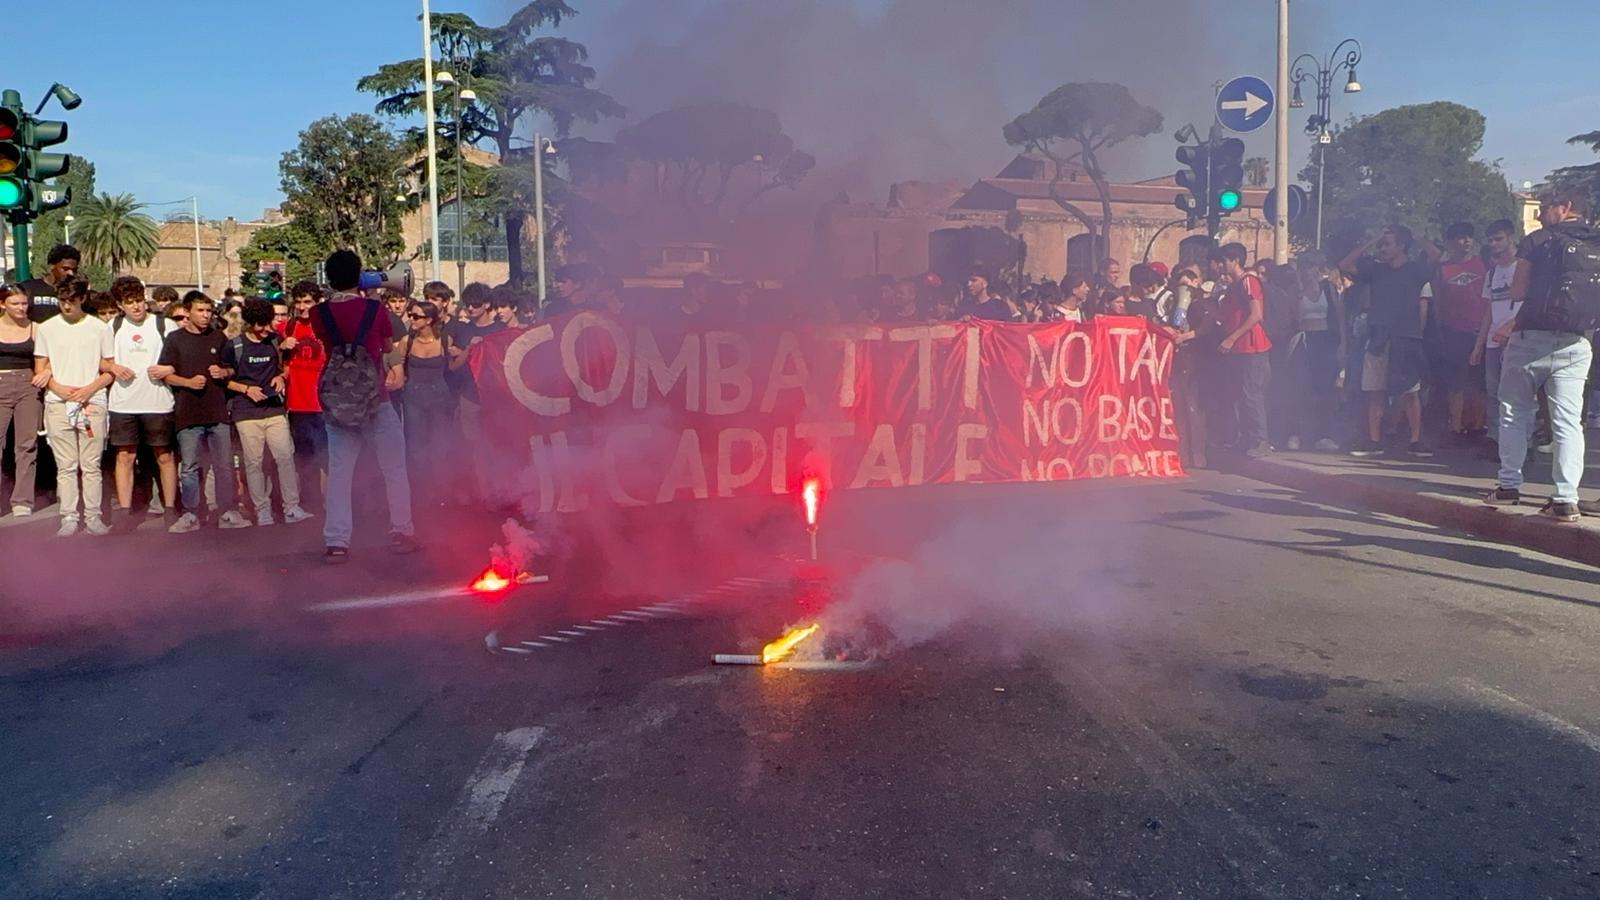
(811, 493)
(783, 646)
(491, 582)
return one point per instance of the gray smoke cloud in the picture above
(891, 90)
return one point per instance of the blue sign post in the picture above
(1245, 104)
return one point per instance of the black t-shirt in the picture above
(257, 364)
(461, 335)
(42, 302)
(1396, 294)
(191, 354)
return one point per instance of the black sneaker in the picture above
(1259, 451)
(1589, 507)
(1503, 496)
(336, 556)
(1561, 512)
(1366, 447)
(402, 544)
(1419, 450)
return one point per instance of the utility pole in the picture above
(1280, 217)
(433, 143)
(538, 214)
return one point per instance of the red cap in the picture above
(1161, 269)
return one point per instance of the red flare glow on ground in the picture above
(491, 582)
(783, 646)
(811, 493)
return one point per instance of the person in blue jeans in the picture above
(1545, 347)
(350, 319)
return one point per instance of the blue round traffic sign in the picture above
(1245, 104)
(1298, 201)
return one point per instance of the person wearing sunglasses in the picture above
(459, 341)
(430, 405)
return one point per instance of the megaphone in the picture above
(397, 277)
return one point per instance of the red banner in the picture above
(606, 410)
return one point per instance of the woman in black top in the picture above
(20, 403)
(430, 406)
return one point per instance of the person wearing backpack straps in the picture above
(356, 333)
(1558, 283)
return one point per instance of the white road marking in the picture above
(515, 650)
(576, 634)
(422, 595)
(477, 808)
(538, 644)
(556, 638)
(1507, 703)
(587, 628)
(606, 622)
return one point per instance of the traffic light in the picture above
(1227, 175)
(13, 155)
(1195, 177)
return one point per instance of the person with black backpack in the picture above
(356, 332)
(1558, 282)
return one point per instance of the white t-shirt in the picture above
(139, 347)
(74, 350)
(1497, 290)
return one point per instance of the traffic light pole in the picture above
(1280, 219)
(19, 250)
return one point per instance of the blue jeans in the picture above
(344, 448)
(219, 443)
(1559, 363)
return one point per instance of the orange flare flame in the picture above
(811, 493)
(491, 582)
(785, 645)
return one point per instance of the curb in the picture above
(1566, 540)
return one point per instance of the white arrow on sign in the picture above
(1251, 104)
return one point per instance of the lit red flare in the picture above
(783, 646)
(492, 581)
(811, 493)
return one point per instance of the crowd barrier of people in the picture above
(185, 400)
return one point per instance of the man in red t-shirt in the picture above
(304, 357)
(1459, 307)
(1244, 348)
(348, 310)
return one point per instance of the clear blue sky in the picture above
(203, 97)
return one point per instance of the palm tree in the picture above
(111, 231)
(1257, 170)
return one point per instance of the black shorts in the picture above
(1452, 351)
(310, 436)
(133, 429)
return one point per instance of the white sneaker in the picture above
(69, 527)
(155, 508)
(1327, 445)
(97, 527)
(296, 515)
(232, 519)
(186, 523)
(263, 520)
(21, 512)
(1293, 443)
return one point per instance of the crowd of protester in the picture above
(184, 400)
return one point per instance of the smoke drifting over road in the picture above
(890, 90)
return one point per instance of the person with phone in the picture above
(260, 414)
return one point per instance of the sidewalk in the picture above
(1446, 491)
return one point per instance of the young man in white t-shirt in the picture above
(1502, 242)
(72, 348)
(141, 403)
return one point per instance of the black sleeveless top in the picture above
(17, 356)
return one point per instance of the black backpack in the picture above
(351, 383)
(1564, 288)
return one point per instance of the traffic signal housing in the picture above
(1195, 177)
(13, 156)
(1227, 175)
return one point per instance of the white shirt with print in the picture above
(139, 347)
(1497, 290)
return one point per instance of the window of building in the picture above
(482, 234)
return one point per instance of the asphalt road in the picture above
(1202, 689)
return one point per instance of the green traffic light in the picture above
(1228, 201)
(11, 193)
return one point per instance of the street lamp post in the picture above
(541, 148)
(1346, 56)
(432, 144)
(459, 95)
(66, 228)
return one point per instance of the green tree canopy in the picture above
(717, 138)
(112, 232)
(292, 242)
(1257, 171)
(1071, 125)
(1411, 165)
(1587, 176)
(50, 229)
(340, 183)
(515, 70)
